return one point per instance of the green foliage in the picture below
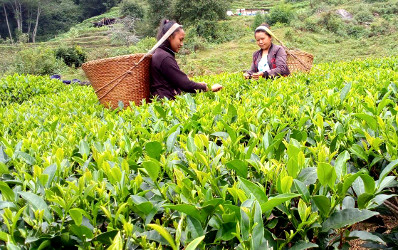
(57, 17)
(20, 88)
(72, 56)
(143, 46)
(282, 13)
(157, 10)
(289, 162)
(258, 20)
(193, 42)
(131, 8)
(36, 61)
(191, 12)
(218, 32)
(333, 23)
(364, 16)
(95, 7)
(380, 27)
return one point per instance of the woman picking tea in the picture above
(270, 60)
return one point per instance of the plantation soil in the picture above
(389, 222)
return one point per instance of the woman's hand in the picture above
(257, 75)
(216, 87)
(246, 75)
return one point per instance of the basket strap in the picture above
(118, 79)
(286, 48)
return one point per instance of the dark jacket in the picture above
(277, 61)
(167, 80)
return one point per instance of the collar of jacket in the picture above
(260, 52)
(166, 47)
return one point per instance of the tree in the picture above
(3, 2)
(158, 9)
(96, 7)
(191, 12)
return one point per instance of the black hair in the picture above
(164, 26)
(266, 25)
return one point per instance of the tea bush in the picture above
(72, 56)
(19, 88)
(283, 13)
(287, 163)
(36, 61)
(364, 16)
(131, 8)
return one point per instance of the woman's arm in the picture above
(281, 64)
(253, 68)
(179, 79)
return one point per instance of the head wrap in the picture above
(265, 29)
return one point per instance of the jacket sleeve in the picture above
(281, 64)
(253, 68)
(179, 79)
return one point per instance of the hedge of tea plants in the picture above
(287, 163)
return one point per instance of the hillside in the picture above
(315, 28)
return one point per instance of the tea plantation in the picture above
(287, 163)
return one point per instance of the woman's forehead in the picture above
(260, 34)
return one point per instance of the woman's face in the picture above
(177, 40)
(263, 40)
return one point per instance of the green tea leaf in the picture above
(387, 170)
(239, 166)
(37, 203)
(277, 200)
(363, 200)
(359, 151)
(285, 184)
(76, 215)
(322, 203)
(346, 217)
(107, 237)
(194, 227)
(160, 111)
(162, 231)
(154, 149)
(340, 165)
(326, 174)
(369, 183)
(370, 120)
(344, 92)
(302, 189)
(366, 236)
(190, 210)
(303, 245)
(3, 156)
(193, 244)
(153, 169)
(6, 192)
(84, 149)
(117, 242)
(171, 140)
(251, 188)
(28, 159)
(258, 229)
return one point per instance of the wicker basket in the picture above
(120, 79)
(298, 60)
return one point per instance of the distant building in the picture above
(250, 12)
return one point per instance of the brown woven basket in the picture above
(120, 79)
(298, 60)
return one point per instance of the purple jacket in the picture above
(167, 80)
(277, 60)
